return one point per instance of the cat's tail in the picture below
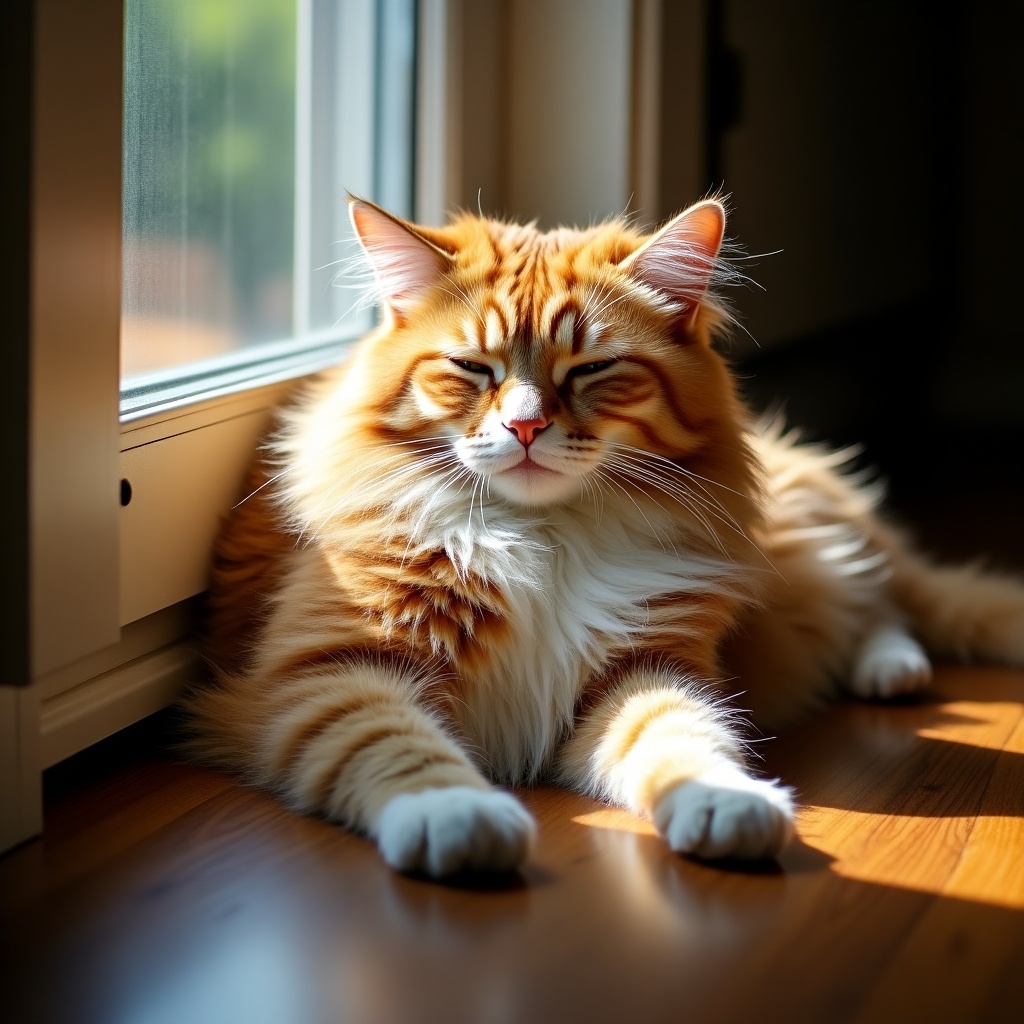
(965, 612)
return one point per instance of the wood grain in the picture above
(167, 893)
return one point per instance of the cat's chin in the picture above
(533, 485)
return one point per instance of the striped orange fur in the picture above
(529, 529)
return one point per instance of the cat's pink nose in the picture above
(527, 430)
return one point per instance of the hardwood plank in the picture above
(953, 942)
(1000, 826)
(141, 801)
(166, 893)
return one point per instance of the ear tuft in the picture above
(678, 261)
(405, 263)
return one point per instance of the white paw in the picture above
(890, 663)
(726, 814)
(441, 831)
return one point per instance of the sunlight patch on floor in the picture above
(974, 724)
(616, 819)
(948, 856)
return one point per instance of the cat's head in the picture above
(555, 364)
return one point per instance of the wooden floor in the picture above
(166, 894)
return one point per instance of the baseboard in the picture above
(77, 718)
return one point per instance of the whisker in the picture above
(709, 501)
(387, 480)
(458, 292)
(674, 466)
(654, 533)
(266, 483)
(630, 466)
(607, 304)
(642, 467)
(685, 501)
(706, 501)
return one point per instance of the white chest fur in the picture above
(577, 583)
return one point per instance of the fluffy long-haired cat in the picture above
(529, 530)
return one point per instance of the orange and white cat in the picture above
(529, 530)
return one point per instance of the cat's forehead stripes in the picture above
(495, 329)
(535, 291)
(562, 328)
(563, 322)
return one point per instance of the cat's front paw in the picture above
(726, 814)
(457, 828)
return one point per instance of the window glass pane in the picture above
(209, 178)
(245, 122)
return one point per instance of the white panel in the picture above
(181, 486)
(477, 47)
(439, 110)
(680, 106)
(569, 96)
(345, 43)
(646, 110)
(76, 275)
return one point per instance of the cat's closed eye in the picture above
(587, 369)
(474, 367)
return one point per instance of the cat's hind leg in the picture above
(889, 663)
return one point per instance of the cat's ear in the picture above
(406, 263)
(678, 260)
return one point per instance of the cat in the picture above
(528, 530)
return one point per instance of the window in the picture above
(244, 124)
